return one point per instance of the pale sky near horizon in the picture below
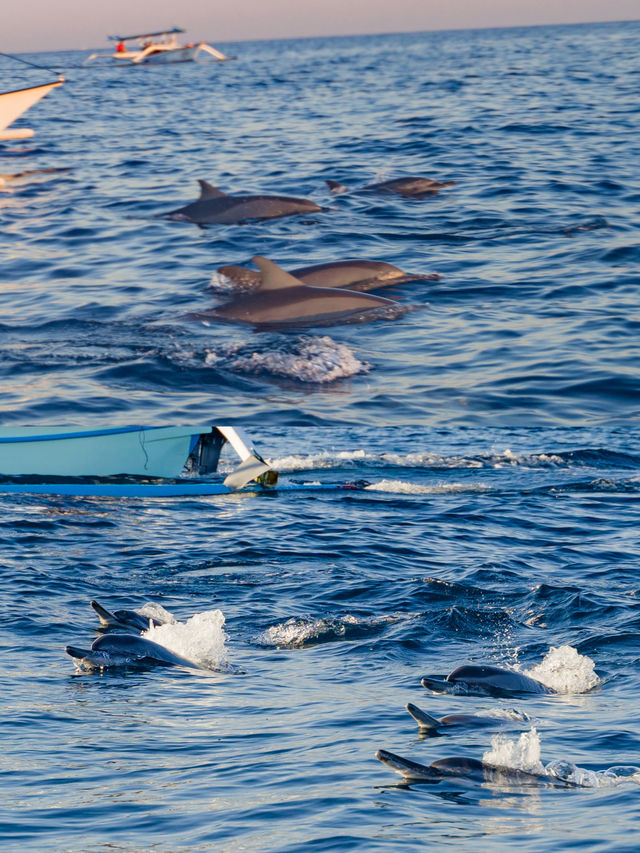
(35, 25)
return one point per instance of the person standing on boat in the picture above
(120, 47)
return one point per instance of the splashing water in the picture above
(524, 754)
(422, 459)
(566, 671)
(298, 632)
(200, 639)
(312, 359)
(324, 459)
(157, 612)
(609, 778)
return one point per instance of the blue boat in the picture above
(127, 461)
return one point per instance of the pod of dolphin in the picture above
(324, 294)
(471, 679)
(319, 295)
(115, 649)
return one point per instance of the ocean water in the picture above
(491, 429)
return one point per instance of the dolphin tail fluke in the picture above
(106, 618)
(424, 720)
(336, 187)
(409, 770)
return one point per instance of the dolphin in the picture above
(123, 618)
(354, 275)
(413, 187)
(427, 723)
(216, 207)
(491, 680)
(125, 650)
(282, 299)
(458, 767)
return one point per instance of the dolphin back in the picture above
(215, 207)
(494, 678)
(122, 618)
(139, 650)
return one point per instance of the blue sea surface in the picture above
(492, 431)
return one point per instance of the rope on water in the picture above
(31, 64)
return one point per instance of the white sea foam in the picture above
(427, 460)
(609, 778)
(317, 360)
(507, 459)
(200, 639)
(222, 284)
(323, 459)
(524, 754)
(297, 631)
(566, 671)
(505, 714)
(403, 487)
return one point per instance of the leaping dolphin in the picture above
(458, 767)
(353, 275)
(216, 207)
(282, 300)
(413, 187)
(427, 723)
(123, 618)
(112, 650)
(483, 680)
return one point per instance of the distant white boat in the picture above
(156, 49)
(14, 104)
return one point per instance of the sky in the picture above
(35, 25)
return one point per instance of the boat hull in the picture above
(163, 55)
(14, 104)
(67, 452)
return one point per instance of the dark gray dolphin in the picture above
(491, 680)
(413, 187)
(215, 207)
(458, 767)
(123, 618)
(111, 650)
(427, 723)
(282, 299)
(353, 275)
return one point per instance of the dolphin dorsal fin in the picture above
(424, 720)
(336, 187)
(209, 191)
(274, 277)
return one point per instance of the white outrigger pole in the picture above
(157, 48)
